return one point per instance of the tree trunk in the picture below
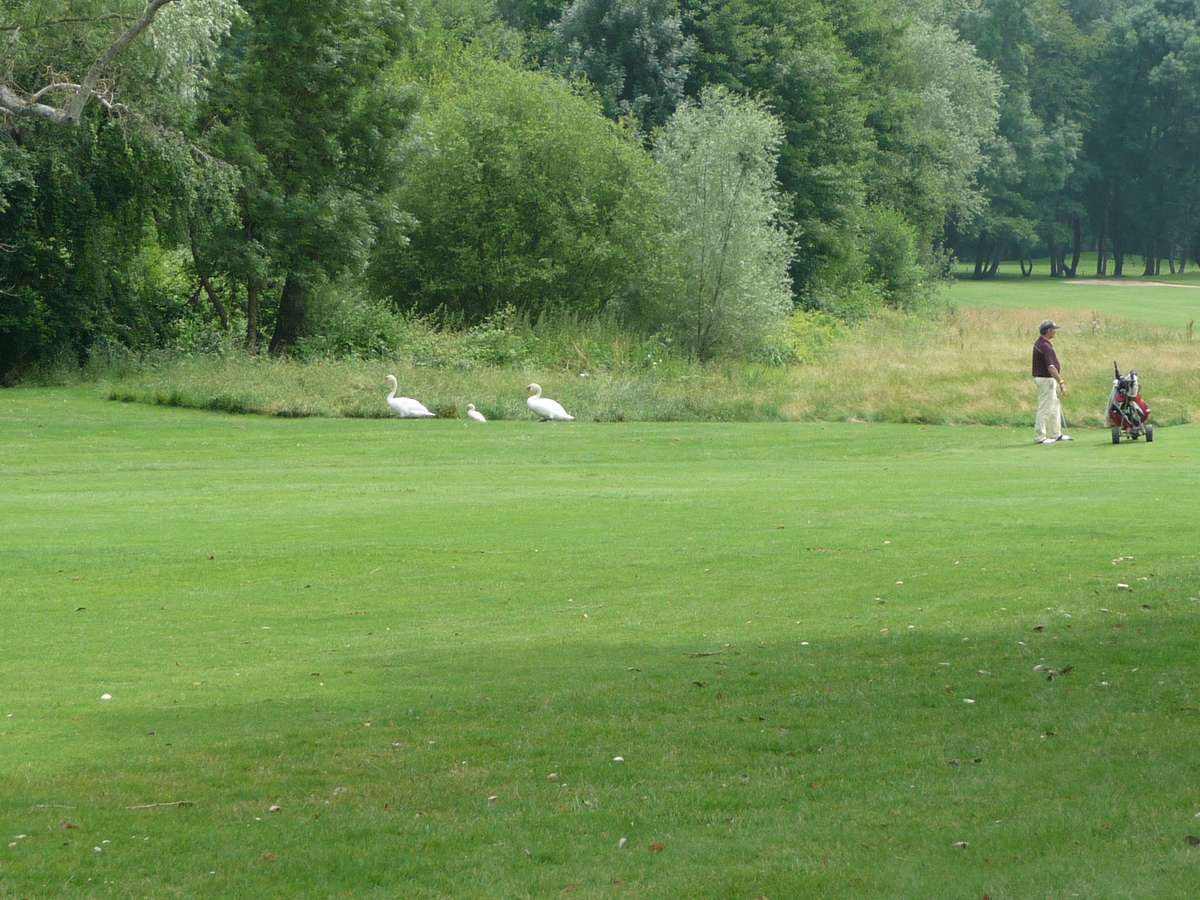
(1076, 245)
(1101, 249)
(292, 307)
(1151, 259)
(203, 273)
(218, 304)
(1026, 272)
(995, 263)
(252, 316)
(979, 257)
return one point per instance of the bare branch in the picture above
(57, 86)
(168, 803)
(12, 102)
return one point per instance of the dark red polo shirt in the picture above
(1043, 358)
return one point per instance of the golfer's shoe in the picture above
(1049, 441)
(1065, 437)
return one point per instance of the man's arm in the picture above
(1054, 373)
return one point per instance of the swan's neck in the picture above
(392, 392)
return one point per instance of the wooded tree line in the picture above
(1098, 142)
(693, 166)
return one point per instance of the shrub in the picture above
(892, 256)
(523, 195)
(343, 322)
(851, 303)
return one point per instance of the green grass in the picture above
(396, 631)
(1127, 298)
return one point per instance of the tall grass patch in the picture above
(973, 366)
(969, 366)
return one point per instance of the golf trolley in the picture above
(1128, 413)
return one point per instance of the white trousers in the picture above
(1049, 411)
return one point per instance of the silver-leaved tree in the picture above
(728, 224)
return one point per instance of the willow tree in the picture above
(61, 56)
(96, 168)
(727, 222)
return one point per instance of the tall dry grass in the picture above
(973, 366)
(969, 366)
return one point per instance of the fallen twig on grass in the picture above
(168, 803)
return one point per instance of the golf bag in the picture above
(1128, 413)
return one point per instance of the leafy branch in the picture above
(78, 95)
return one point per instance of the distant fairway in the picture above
(827, 654)
(1132, 297)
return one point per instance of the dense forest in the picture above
(276, 171)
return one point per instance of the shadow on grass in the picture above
(1057, 747)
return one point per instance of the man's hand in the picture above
(1062, 387)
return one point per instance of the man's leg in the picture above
(1054, 422)
(1047, 425)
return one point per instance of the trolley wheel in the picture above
(1116, 435)
(1149, 434)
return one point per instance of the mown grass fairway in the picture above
(397, 631)
(1153, 301)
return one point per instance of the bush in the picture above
(850, 303)
(892, 257)
(343, 322)
(503, 338)
(522, 195)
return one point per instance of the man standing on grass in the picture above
(1047, 374)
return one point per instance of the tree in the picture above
(523, 194)
(302, 107)
(727, 222)
(92, 195)
(932, 106)
(786, 53)
(633, 51)
(1151, 128)
(1027, 178)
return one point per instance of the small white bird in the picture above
(473, 413)
(549, 410)
(406, 407)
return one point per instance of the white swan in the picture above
(549, 410)
(473, 413)
(406, 407)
